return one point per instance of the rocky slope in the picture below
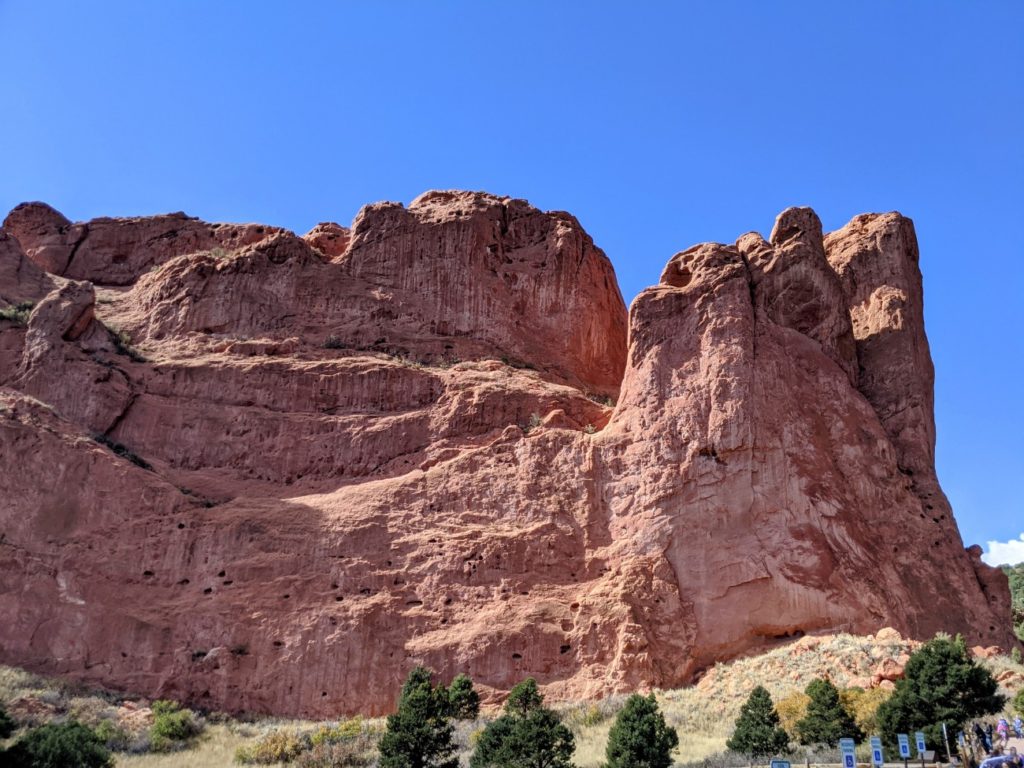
(257, 471)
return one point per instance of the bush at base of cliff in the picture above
(757, 732)
(640, 736)
(275, 747)
(942, 684)
(358, 751)
(172, 727)
(7, 724)
(826, 721)
(59, 746)
(527, 734)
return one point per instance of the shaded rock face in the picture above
(261, 472)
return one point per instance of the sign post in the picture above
(904, 741)
(846, 747)
(877, 758)
(919, 739)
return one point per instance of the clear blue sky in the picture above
(657, 124)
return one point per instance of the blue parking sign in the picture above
(919, 738)
(877, 758)
(904, 741)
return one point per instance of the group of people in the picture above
(994, 742)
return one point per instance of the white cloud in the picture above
(1005, 552)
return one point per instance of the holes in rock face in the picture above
(444, 621)
(334, 621)
(574, 607)
(564, 649)
(183, 582)
(323, 693)
(517, 655)
(338, 599)
(285, 597)
(414, 602)
(364, 591)
(278, 644)
(221, 574)
(208, 590)
(180, 526)
(147, 573)
(124, 655)
(447, 601)
(228, 582)
(334, 585)
(895, 550)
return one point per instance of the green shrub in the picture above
(17, 313)
(826, 721)
(528, 734)
(280, 746)
(757, 731)
(172, 726)
(122, 342)
(116, 738)
(419, 734)
(942, 684)
(1018, 702)
(640, 736)
(59, 746)
(7, 724)
(463, 700)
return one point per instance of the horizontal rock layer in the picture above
(262, 472)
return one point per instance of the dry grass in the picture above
(703, 714)
(215, 749)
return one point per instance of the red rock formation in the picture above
(321, 460)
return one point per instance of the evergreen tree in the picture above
(826, 721)
(59, 746)
(528, 735)
(640, 738)
(941, 684)
(7, 724)
(757, 731)
(463, 698)
(419, 734)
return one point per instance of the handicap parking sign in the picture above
(877, 758)
(904, 741)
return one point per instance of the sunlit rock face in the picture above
(272, 473)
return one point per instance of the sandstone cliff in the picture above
(265, 472)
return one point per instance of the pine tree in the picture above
(826, 721)
(757, 731)
(528, 735)
(640, 738)
(941, 684)
(7, 724)
(463, 699)
(419, 734)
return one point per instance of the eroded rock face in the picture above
(262, 472)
